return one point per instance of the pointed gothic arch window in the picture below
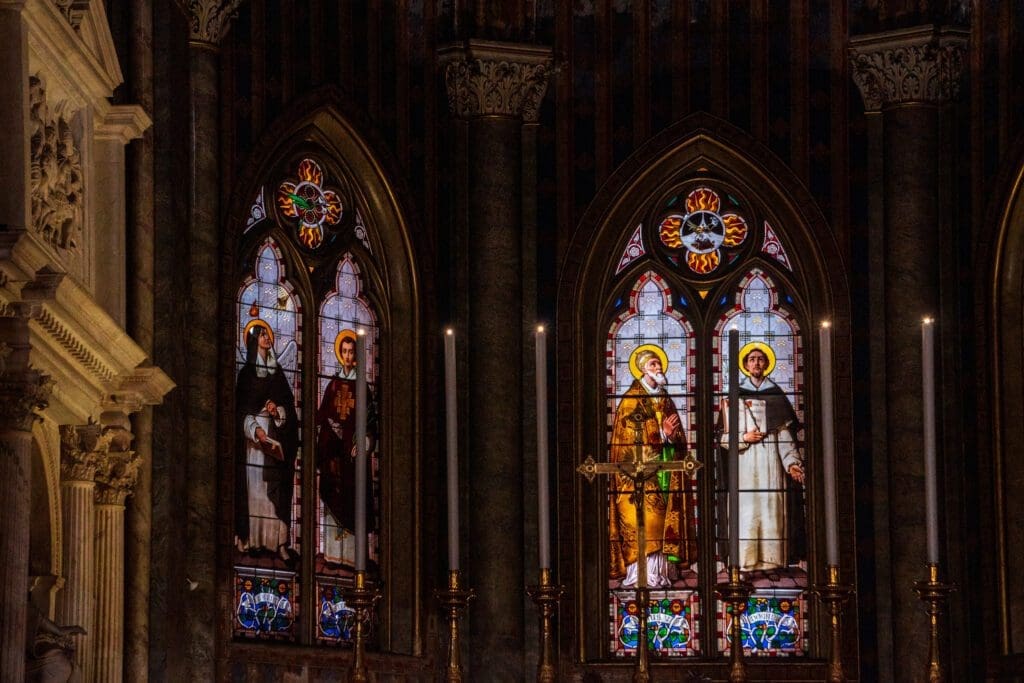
(307, 283)
(714, 262)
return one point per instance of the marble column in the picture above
(140, 240)
(493, 88)
(209, 21)
(909, 76)
(81, 451)
(114, 481)
(22, 394)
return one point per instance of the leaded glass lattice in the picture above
(651, 414)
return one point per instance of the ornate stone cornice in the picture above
(485, 78)
(921, 65)
(116, 477)
(22, 395)
(208, 20)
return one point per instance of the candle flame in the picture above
(540, 328)
(826, 323)
(449, 331)
(360, 332)
(927, 320)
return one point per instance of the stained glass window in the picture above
(304, 283)
(651, 415)
(343, 313)
(268, 462)
(715, 265)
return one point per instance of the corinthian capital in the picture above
(81, 451)
(914, 65)
(485, 78)
(208, 19)
(116, 477)
(23, 394)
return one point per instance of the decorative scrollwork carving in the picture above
(480, 87)
(58, 185)
(209, 19)
(81, 451)
(923, 68)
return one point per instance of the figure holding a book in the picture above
(268, 433)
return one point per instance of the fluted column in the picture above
(81, 450)
(493, 88)
(114, 481)
(908, 76)
(209, 22)
(22, 394)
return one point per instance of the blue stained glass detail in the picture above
(735, 202)
(336, 620)
(789, 299)
(724, 300)
(771, 625)
(683, 301)
(618, 302)
(264, 604)
(672, 201)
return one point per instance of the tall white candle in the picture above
(734, 447)
(452, 433)
(828, 448)
(543, 500)
(931, 489)
(361, 450)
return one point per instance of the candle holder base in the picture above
(735, 593)
(936, 594)
(834, 595)
(361, 599)
(454, 599)
(546, 596)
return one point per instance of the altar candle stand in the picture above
(735, 592)
(361, 597)
(932, 590)
(832, 593)
(456, 597)
(545, 595)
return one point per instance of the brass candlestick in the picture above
(735, 593)
(454, 599)
(834, 595)
(361, 599)
(936, 594)
(546, 596)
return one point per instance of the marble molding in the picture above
(915, 65)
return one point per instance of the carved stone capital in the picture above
(208, 20)
(81, 451)
(915, 65)
(485, 78)
(116, 477)
(23, 394)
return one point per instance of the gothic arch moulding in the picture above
(365, 217)
(1000, 365)
(608, 253)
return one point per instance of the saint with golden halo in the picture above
(671, 535)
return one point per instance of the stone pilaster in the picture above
(907, 77)
(82, 450)
(493, 88)
(22, 395)
(115, 479)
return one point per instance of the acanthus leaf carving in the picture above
(116, 477)
(496, 87)
(57, 178)
(24, 395)
(925, 67)
(82, 449)
(209, 19)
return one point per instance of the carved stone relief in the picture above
(209, 19)
(479, 87)
(58, 186)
